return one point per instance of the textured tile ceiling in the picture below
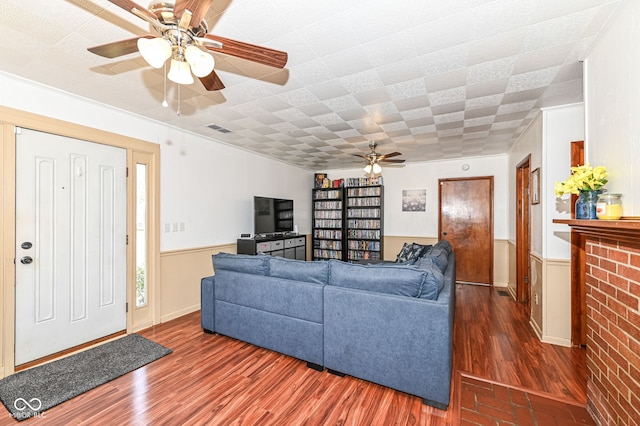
(433, 79)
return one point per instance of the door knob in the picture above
(26, 260)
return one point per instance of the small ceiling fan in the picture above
(182, 36)
(374, 159)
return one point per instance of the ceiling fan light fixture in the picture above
(367, 168)
(376, 168)
(180, 72)
(201, 62)
(155, 51)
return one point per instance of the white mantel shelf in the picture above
(626, 230)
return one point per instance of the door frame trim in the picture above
(578, 273)
(10, 119)
(523, 226)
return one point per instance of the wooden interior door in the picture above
(466, 220)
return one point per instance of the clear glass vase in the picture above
(586, 204)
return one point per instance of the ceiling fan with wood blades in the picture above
(373, 158)
(183, 37)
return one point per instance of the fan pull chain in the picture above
(178, 111)
(164, 101)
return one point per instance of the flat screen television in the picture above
(272, 215)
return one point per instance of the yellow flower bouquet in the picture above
(583, 178)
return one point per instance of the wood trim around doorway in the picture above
(9, 120)
(523, 231)
(578, 272)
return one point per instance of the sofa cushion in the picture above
(391, 279)
(258, 265)
(300, 270)
(434, 280)
(439, 256)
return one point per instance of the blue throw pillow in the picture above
(246, 263)
(434, 281)
(390, 279)
(290, 269)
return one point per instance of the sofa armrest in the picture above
(400, 342)
(207, 305)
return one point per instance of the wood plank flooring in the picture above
(216, 380)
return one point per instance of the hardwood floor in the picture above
(216, 380)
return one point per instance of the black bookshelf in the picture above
(327, 236)
(364, 222)
(284, 214)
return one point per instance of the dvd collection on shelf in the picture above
(364, 234)
(375, 181)
(348, 222)
(363, 202)
(327, 214)
(364, 213)
(328, 223)
(335, 194)
(328, 234)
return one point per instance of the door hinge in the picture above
(526, 279)
(127, 239)
(126, 307)
(127, 172)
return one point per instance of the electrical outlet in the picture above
(181, 226)
(167, 227)
(175, 227)
(536, 298)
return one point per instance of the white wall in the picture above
(425, 176)
(548, 140)
(561, 126)
(612, 95)
(206, 185)
(530, 143)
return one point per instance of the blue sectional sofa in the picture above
(389, 324)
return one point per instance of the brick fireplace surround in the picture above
(612, 269)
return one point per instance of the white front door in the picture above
(70, 243)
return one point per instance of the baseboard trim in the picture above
(141, 326)
(180, 313)
(556, 341)
(536, 329)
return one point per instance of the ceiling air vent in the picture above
(218, 128)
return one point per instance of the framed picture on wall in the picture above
(535, 186)
(414, 200)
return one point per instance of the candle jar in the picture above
(609, 206)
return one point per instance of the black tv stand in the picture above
(275, 235)
(282, 244)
